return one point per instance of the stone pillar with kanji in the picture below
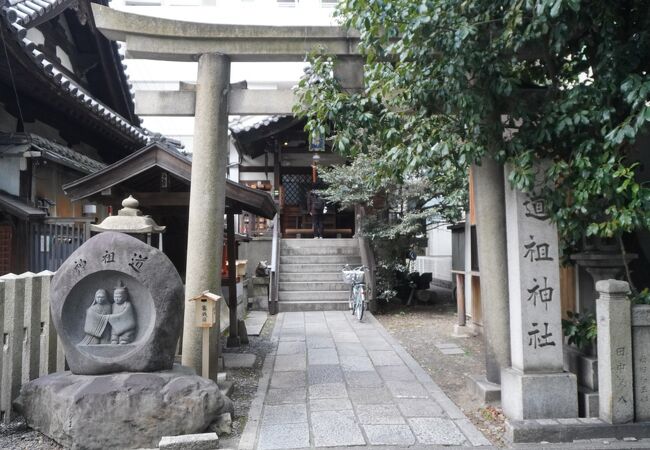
(535, 387)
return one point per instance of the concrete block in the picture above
(526, 396)
(419, 407)
(238, 360)
(389, 435)
(587, 402)
(289, 379)
(202, 441)
(482, 389)
(347, 433)
(585, 367)
(386, 414)
(291, 413)
(283, 436)
(324, 373)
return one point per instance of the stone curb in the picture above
(551, 430)
(248, 438)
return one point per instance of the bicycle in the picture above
(355, 278)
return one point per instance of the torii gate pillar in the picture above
(207, 205)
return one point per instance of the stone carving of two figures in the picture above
(110, 323)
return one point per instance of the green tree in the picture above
(450, 81)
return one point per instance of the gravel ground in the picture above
(418, 329)
(18, 436)
(245, 381)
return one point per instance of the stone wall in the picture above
(258, 249)
(30, 345)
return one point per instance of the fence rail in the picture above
(54, 240)
(30, 347)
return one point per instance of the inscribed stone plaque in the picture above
(534, 281)
(641, 355)
(117, 305)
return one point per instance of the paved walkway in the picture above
(335, 382)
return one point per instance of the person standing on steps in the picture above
(315, 206)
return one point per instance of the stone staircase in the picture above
(310, 273)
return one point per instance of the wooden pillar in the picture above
(233, 336)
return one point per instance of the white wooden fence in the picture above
(30, 346)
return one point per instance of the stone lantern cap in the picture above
(129, 219)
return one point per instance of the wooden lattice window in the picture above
(296, 188)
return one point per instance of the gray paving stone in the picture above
(345, 336)
(328, 390)
(370, 396)
(287, 363)
(419, 407)
(363, 379)
(329, 404)
(407, 389)
(389, 434)
(395, 373)
(380, 414)
(452, 351)
(291, 348)
(318, 356)
(350, 349)
(283, 436)
(436, 431)
(292, 413)
(376, 344)
(320, 342)
(292, 338)
(347, 432)
(286, 395)
(238, 360)
(289, 379)
(356, 364)
(385, 358)
(319, 374)
(314, 316)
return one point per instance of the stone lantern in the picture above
(130, 220)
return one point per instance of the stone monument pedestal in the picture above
(538, 395)
(121, 410)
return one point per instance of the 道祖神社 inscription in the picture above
(535, 315)
(117, 305)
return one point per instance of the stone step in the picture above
(293, 243)
(311, 268)
(316, 296)
(320, 250)
(321, 259)
(313, 306)
(314, 286)
(310, 276)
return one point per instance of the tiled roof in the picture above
(239, 124)
(18, 14)
(50, 150)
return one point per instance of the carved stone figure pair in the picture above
(110, 323)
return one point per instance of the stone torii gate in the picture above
(215, 47)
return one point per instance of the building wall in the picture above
(438, 257)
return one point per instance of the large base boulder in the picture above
(121, 410)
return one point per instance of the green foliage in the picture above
(581, 330)
(448, 82)
(641, 298)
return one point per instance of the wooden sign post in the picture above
(205, 316)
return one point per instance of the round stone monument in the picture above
(117, 305)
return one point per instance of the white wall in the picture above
(438, 255)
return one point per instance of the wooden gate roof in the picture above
(159, 156)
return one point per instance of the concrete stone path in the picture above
(335, 382)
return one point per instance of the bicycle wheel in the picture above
(359, 302)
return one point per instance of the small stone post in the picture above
(32, 327)
(535, 387)
(48, 338)
(641, 356)
(14, 294)
(615, 392)
(207, 202)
